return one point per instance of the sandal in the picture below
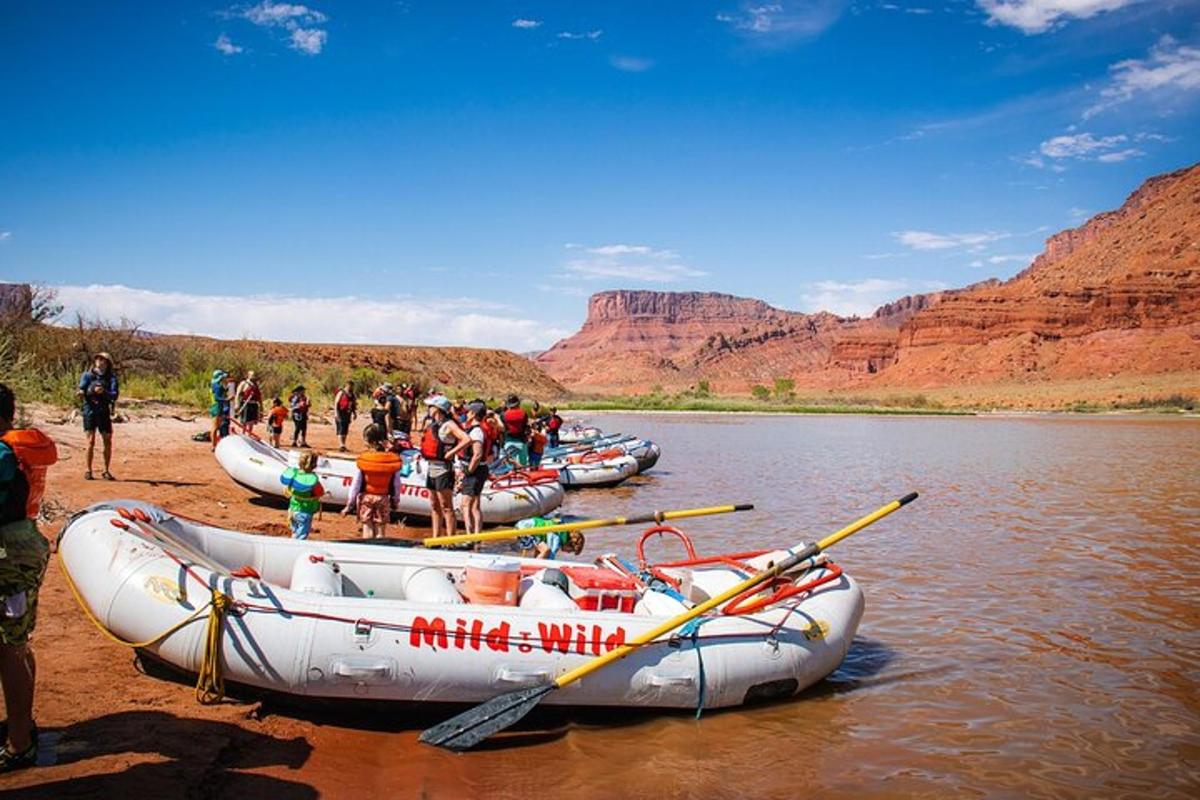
(108, 476)
(10, 761)
(87, 476)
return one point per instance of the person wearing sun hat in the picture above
(98, 389)
(442, 440)
(219, 408)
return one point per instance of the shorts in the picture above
(248, 414)
(517, 450)
(301, 524)
(96, 420)
(277, 430)
(342, 423)
(535, 460)
(21, 570)
(214, 410)
(473, 482)
(401, 426)
(440, 482)
(374, 509)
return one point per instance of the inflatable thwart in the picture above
(363, 620)
(508, 498)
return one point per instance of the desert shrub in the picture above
(760, 392)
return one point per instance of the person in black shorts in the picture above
(441, 441)
(345, 409)
(474, 463)
(98, 390)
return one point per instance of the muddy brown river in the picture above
(1030, 631)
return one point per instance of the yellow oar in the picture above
(584, 524)
(473, 726)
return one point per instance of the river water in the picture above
(1031, 622)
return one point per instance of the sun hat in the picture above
(103, 355)
(219, 373)
(513, 401)
(439, 401)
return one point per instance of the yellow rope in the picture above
(210, 682)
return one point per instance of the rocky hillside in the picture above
(1118, 295)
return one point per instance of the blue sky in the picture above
(409, 172)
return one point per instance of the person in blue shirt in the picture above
(98, 390)
(219, 408)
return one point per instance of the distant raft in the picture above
(378, 622)
(506, 499)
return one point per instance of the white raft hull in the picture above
(257, 466)
(365, 647)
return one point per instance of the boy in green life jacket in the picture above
(304, 491)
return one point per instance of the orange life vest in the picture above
(489, 442)
(377, 469)
(432, 446)
(36, 453)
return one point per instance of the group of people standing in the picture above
(243, 401)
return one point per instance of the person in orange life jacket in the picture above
(441, 441)
(516, 431)
(98, 389)
(377, 485)
(249, 402)
(537, 445)
(345, 409)
(299, 403)
(553, 425)
(275, 419)
(474, 462)
(25, 457)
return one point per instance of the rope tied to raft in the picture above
(210, 679)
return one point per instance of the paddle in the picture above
(476, 724)
(586, 524)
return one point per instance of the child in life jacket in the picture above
(537, 445)
(275, 418)
(546, 545)
(25, 457)
(376, 488)
(304, 491)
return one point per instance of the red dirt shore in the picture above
(122, 734)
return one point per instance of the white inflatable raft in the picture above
(257, 466)
(596, 473)
(325, 619)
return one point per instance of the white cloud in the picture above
(631, 262)
(1039, 16)
(631, 63)
(5, 236)
(783, 21)
(1077, 213)
(527, 24)
(270, 14)
(1170, 67)
(308, 40)
(299, 21)
(226, 46)
(1085, 147)
(852, 299)
(593, 35)
(344, 320)
(927, 240)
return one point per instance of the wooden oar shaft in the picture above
(583, 525)
(754, 580)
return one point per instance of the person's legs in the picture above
(435, 512)
(304, 433)
(91, 448)
(107, 437)
(17, 672)
(448, 521)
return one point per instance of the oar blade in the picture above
(486, 719)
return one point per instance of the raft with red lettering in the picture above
(257, 466)
(362, 620)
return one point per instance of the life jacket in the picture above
(344, 401)
(537, 442)
(377, 469)
(251, 394)
(432, 446)
(489, 442)
(555, 422)
(36, 453)
(515, 423)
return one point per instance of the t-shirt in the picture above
(99, 391)
(300, 404)
(476, 434)
(277, 415)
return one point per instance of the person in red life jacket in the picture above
(441, 441)
(474, 462)
(553, 426)
(25, 457)
(300, 404)
(376, 487)
(99, 389)
(537, 445)
(345, 409)
(516, 431)
(249, 403)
